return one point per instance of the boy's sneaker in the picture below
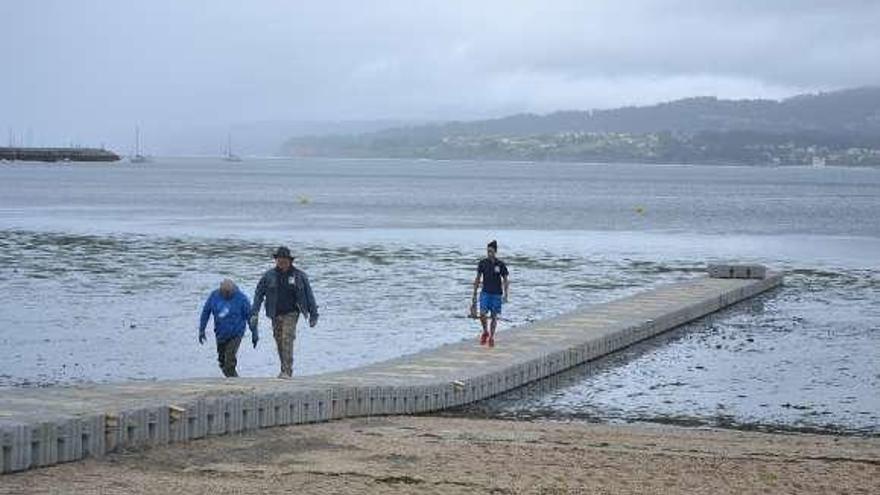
(484, 337)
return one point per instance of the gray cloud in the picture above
(88, 70)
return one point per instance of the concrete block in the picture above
(439, 394)
(265, 410)
(300, 415)
(295, 408)
(196, 420)
(5, 451)
(68, 446)
(187, 421)
(457, 393)
(363, 406)
(216, 414)
(398, 400)
(419, 402)
(158, 432)
(282, 409)
(445, 396)
(748, 271)
(113, 432)
(44, 447)
(342, 401)
(430, 398)
(15, 448)
(132, 431)
(316, 406)
(485, 385)
(498, 383)
(177, 423)
(406, 400)
(416, 400)
(249, 413)
(377, 401)
(92, 440)
(508, 379)
(324, 399)
(233, 413)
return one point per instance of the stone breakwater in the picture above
(57, 155)
(46, 426)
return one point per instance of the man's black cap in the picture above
(282, 252)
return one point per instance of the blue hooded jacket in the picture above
(230, 315)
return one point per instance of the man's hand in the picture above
(313, 320)
(202, 337)
(505, 298)
(254, 337)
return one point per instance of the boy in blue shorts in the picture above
(492, 274)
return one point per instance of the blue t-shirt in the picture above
(492, 272)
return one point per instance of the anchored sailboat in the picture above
(137, 157)
(230, 156)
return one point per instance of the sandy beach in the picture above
(453, 455)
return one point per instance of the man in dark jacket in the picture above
(231, 310)
(288, 294)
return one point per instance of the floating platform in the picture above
(45, 426)
(57, 155)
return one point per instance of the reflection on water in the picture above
(103, 279)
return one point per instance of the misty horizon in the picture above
(190, 73)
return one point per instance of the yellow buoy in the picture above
(304, 200)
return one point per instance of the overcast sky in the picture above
(84, 69)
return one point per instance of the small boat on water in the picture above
(229, 156)
(138, 157)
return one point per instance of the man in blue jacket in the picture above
(288, 294)
(231, 310)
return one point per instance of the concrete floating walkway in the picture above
(46, 426)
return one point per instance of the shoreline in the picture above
(696, 422)
(431, 454)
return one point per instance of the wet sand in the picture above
(459, 455)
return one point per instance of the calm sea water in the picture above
(103, 270)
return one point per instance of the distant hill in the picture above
(834, 123)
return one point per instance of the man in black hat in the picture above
(493, 276)
(288, 294)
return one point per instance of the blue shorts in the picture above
(490, 303)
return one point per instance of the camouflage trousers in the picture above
(226, 356)
(284, 331)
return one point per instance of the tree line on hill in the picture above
(834, 128)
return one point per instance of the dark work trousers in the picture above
(226, 355)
